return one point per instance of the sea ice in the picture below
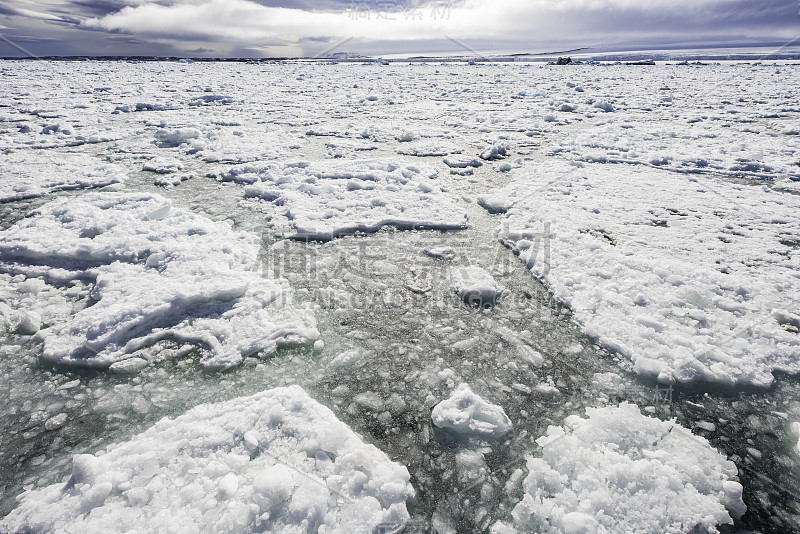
(475, 286)
(467, 413)
(31, 173)
(429, 147)
(154, 273)
(323, 200)
(619, 471)
(693, 279)
(276, 461)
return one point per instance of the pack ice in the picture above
(141, 271)
(323, 200)
(692, 278)
(619, 471)
(274, 462)
(31, 173)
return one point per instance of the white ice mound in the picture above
(326, 199)
(31, 173)
(475, 286)
(156, 273)
(274, 462)
(467, 413)
(692, 279)
(619, 471)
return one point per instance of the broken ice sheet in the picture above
(156, 273)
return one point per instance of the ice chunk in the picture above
(30, 324)
(176, 137)
(619, 471)
(462, 162)
(161, 165)
(495, 201)
(796, 434)
(495, 152)
(475, 286)
(323, 200)
(441, 253)
(228, 466)
(467, 413)
(429, 147)
(156, 272)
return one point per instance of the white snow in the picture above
(686, 146)
(475, 286)
(619, 471)
(690, 278)
(322, 200)
(274, 462)
(429, 147)
(163, 165)
(154, 273)
(224, 144)
(31, 173)
(467, 413)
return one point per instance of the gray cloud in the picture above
(281, 27)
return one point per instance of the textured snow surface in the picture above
(699, 147)
(693, 279)
(274, 462)
(154, 273)
(468, 413)
(619, 471)
(240, 145)
(322, 200)
(31, 173)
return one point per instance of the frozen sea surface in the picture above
(453, 261)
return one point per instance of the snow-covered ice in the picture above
(31, 173)
(467, 413)
(152, 272)
(617, 470)
(656, 203)
(690, 278)
(326, 200)
(276, 461)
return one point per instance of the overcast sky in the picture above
(263, 28)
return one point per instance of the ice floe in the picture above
(692, 278)
(152, 273)
(31, 173)
(619, 471)
(323, 200)
(276, 461)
